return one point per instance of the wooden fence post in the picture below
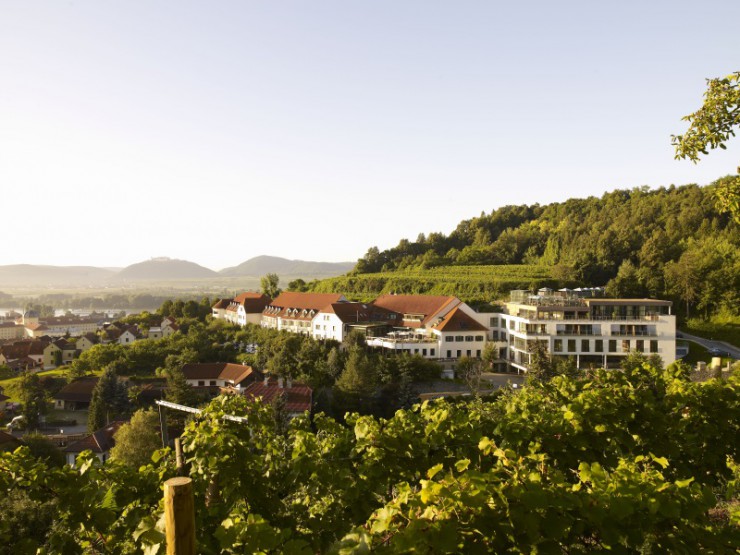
(179, 513)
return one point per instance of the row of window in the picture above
(624, 345)
(461, 338)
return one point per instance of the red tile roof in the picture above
(234, 373)
(100, 441)
(78, 391)
(293, 304)
(221, 304)
(427, 306)
(457, 320)
(298, 397)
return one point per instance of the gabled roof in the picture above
(253, 303)
(298, 397)
(234, 373)
(293, 304)
(100, 441)
(457, 320)
(222, 304)
(427, 306)
(91, 337)
(78, 390)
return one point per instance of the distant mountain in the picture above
(163, 269)
(22, 275)
(261, 265)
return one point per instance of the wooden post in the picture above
(179, 513)
(178, 456)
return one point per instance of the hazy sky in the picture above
(217, 131)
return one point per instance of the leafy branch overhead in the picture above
(711, 127)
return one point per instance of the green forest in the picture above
(671, 242)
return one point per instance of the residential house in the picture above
(218, 310)
(59, 352)
(246, 308)
(215, 376)
(168, 327)
(129, 335)
(99, 442)
(23, 355)
(76, 395)
(87, 341)
(11, 330)
(294, 312)
(155, 332)
(298, 398)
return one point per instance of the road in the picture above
(722, 346)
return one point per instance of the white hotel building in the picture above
(591, 331)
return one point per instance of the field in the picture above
(473, 284)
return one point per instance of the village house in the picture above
(58, 353)
(99, 442)
(25, 354)
(217, 376)
(11, 330)
(87, 341)
(76, 395)
(128, 335)
(294, 312)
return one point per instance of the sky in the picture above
(218, 131)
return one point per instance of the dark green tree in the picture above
(269, 284)
(109, 401)
(33, 399)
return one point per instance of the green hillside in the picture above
(671, 242)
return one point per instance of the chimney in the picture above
(280, 383)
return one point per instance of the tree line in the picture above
(671, 242)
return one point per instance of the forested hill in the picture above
(670, 242)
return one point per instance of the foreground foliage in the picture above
(635, 461)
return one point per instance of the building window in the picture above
(640, 346)
(511, 324)
(612, 345)
(493, 322)
(432, 353)
(459, 338)
(424, 352)
(625, 345)
(585, 346)
(477, 353)
(653, 346)
(201, 383)
(571, 345)
(599, 346)
(558, 346)
(467, 353)
(213, 382)
(479, 338)
(459, 352)
(449, 339)
(449, 354)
